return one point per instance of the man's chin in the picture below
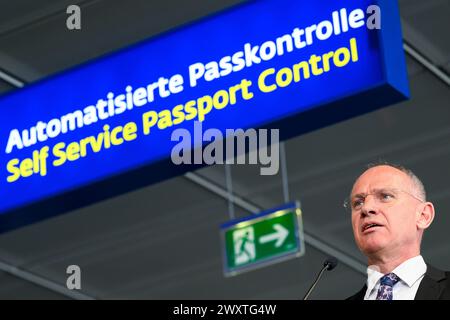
(372, 247)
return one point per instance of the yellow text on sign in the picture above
(25, 168)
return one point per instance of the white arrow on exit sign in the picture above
(280, 235)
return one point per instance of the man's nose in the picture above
(369, 206)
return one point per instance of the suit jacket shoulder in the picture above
(435, 285)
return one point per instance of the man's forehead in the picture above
(381, 177)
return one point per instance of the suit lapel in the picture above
(360, 295)
(430, 287)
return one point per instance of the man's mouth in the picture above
(370, 226)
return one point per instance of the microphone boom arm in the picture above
(329, 264)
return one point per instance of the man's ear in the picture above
(425, 216)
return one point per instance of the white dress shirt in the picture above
(410, 272)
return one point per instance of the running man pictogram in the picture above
(244, 245)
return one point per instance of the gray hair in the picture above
(420, 188)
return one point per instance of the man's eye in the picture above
(386, 196)
(357, 203)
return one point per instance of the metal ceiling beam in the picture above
(15, 82)
(40, 15)
(43, 282)
(422, 60)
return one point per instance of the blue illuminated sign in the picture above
(105, 127)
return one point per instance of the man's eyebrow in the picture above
(364, 194)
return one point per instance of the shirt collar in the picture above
(373, 276)
(409, 272)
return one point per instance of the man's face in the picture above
(384, 211)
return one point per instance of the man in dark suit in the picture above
(389, 216)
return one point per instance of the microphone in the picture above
(329, 265)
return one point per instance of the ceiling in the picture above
(162, 241)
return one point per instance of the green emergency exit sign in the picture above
(259, 240)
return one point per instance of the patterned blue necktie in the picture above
(386, 284)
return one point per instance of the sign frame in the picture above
(392, 88)
(289, 208)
